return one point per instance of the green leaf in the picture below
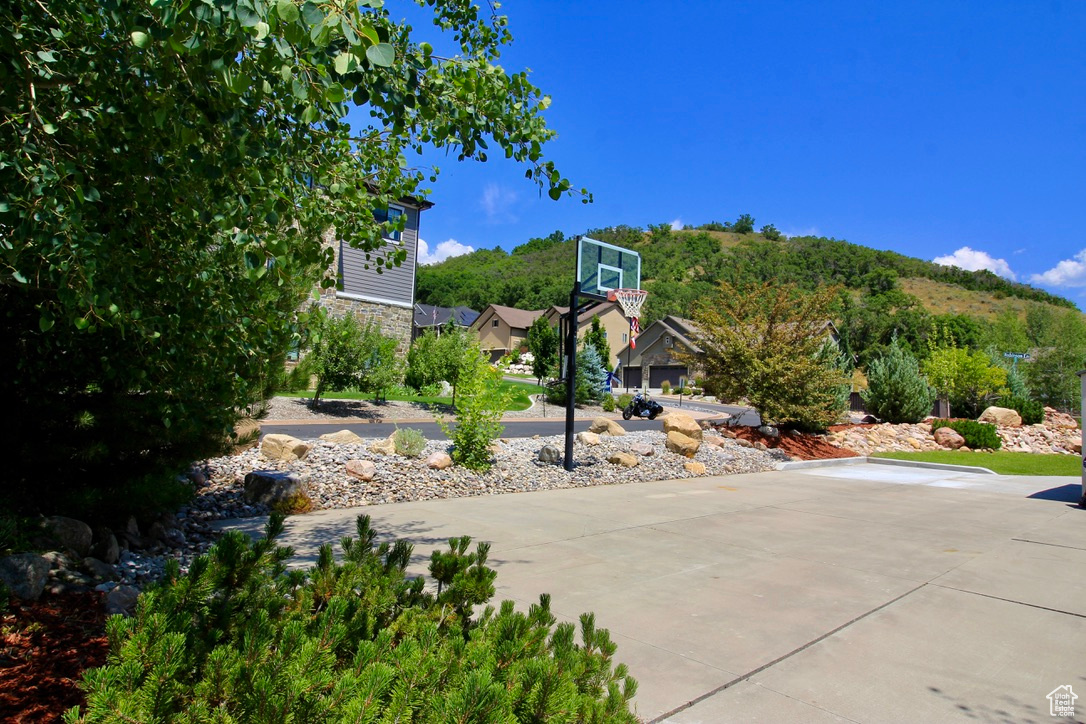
(80, 323)
(140, 39)
(19, 277)
(49, 128)
(262, 30)
(287, 11)
(247, 16)
(45, 321)
(334, 93)
(312, 14)
(343, 63)
(382, 54)
(47, 56)
(555, 193)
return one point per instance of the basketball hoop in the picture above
(629, 299)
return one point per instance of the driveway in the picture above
(865, 593)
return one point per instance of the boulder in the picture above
(550, 454)
(106, 549)
(743, 443)
(156, 532)
(99, 569)
(694, 468)
(1001, 417)
(122, 600)
(246, 435)
(769, 431)
(642, 448)
(75, 535)
(343, 437)
(588, 438)
(1056, 419)
(622, 459)
(283, 447)
(272, 486)
(682, 423)
(384, 447)
(439, 460)
(25, 575)
(364, 470)
(682, 444)
(606, 426)
(946, 437)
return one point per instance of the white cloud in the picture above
(447, 248)
(974, 260)
(497, 202)
(1068, 273)
(809, 231)
(677, 225)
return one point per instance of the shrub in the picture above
(609, 403)
(665, 387)
(556, 393)
(241, 638)
(1032, 411)
(624, 400)
(480, 404)
(293, 505)
(409, 442)
(968, 379)
(978, 435)
(896, 391)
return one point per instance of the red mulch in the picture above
(44, 647)
(801, 446)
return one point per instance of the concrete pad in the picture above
(747, 702)
(935, 656)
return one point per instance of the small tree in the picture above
(381, 364)
(770, 232)
(543, 343)
(337, 353)
(591, 376)
(480, 403)
(597, 337)
(897, 392)
(744, 224)
(967, 378)
(764, 343)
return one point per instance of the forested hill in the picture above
(680, 267)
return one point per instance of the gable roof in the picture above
(428, 315)
(515, 318)
(593, 310)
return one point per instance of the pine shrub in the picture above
(977, 435)
(1031, 411)
(897, 392)
(409, 442)
(241, 638)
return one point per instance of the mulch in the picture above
(45, 646)
(799, 446)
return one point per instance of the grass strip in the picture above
(1002, 462)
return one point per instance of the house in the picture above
(651, 361)
(428, 316)
(503, 330)
(388, 297)
(615, 325)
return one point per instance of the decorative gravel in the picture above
(516, 469)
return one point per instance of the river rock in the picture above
(122, 600)
(25, 575)
(682, 444)
(642, 448)
(343, 437)
(107, 548)
(946, 437)
(1001, 416)
(622, 459)
(272, 486)
(550, 454)
(75, 535)
(363, 470)
(682, 423)
(384, 447)
(283, 447)
(694, 467)
(588, 438)
(439, 461)
(606, 426)
(99, 569)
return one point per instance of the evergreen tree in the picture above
(543, 344)
(897, 392)
(591, 376)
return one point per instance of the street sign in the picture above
(1017, 355)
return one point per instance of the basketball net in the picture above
(630, 300)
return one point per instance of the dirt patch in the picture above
(45, 646)
(799, 446)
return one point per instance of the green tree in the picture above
(744, 224)
(897, 392)
(770, 232)
(167, 171)
(591, 376)
(596, 337)
(967, 378)
(337, 354)
(543, 344)
(480, 403)
(382, 367)
(764, 343)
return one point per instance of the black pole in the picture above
(571, 373)
(629, 349)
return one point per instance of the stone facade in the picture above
(394, 321)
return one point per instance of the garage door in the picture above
(631, 377)
(671, 373)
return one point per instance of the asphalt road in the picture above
(513, 428)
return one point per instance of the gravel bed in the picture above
(516, 469)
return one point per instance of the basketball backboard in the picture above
(602, 267)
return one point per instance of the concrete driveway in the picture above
(864, 593)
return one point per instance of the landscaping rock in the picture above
(622, 459)
(364, 470)
(1058, 420)
(439, 461)
(642, 448)
(694, 468)
(25, 575)
(122, 600)
(743, 443)
(550, 454)
(75, 535)
(106, 549)
(343, 437)
(272, 486)
(283, 447)
(682, 444)
(947, 437)
(384, 447)
(588, 438)
(1001, 416)
(682, 423)
(99, 569)
(714, 440)
(606, 426)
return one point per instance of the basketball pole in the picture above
(571, 373)
(629, 351)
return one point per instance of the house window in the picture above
(494, 323)
(389, 216)
(667, 341)
(625, 337)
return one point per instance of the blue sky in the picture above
(942, 129)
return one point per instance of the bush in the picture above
(609, 403)
(978, 435)
(624, 400)
(480, 404)
(556, 393)
(241, 638)
(897, 392)
(409, 442)
(295, 504)
(1032, 411)
(665, 387)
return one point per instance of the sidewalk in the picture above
(863, 593)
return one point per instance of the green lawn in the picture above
(520, 390)
(1004, 463)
